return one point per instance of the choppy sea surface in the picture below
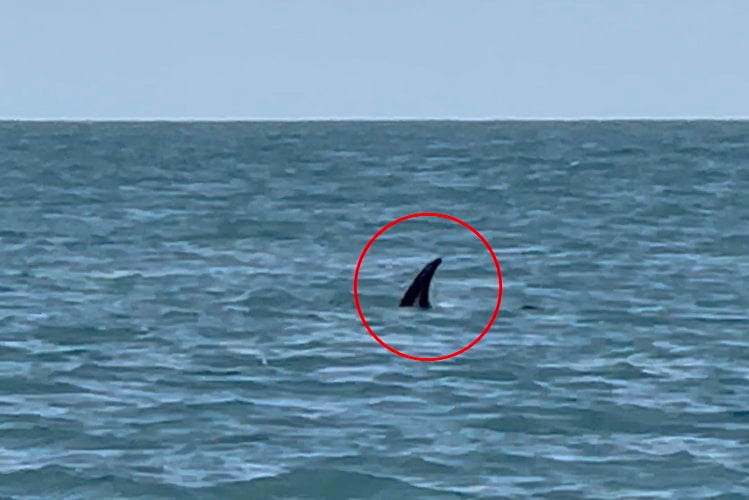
(177, 316)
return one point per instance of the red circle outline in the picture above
(499, 288)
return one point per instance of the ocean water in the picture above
(177, 316)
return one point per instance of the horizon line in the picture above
(208, 119)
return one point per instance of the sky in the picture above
(378, 59)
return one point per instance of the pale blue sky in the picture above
(284, 59)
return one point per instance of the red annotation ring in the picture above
(499, 286)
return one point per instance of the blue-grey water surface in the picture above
(177, 316)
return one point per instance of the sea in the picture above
(178, 317)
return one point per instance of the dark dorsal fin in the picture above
(420, 286)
